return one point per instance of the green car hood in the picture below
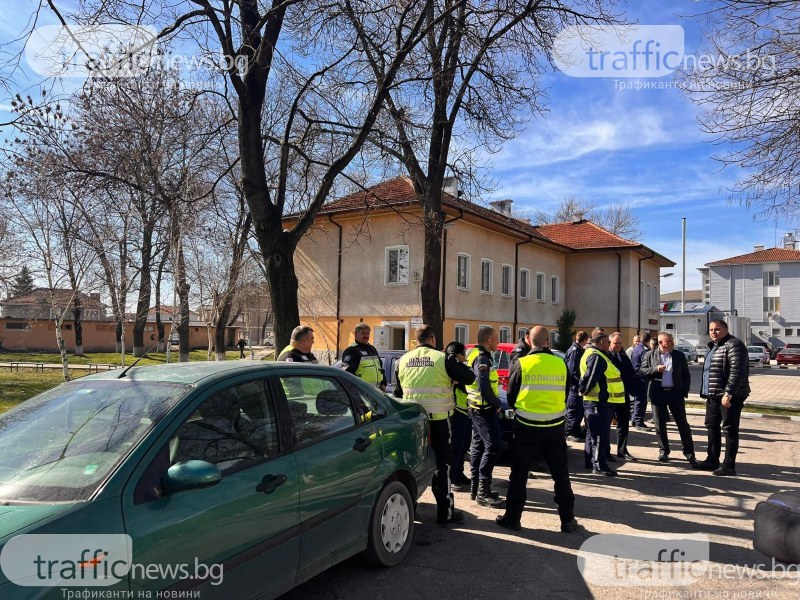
(14, 518)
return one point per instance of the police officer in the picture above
(537, 388)
(574, 415)
(299, 349)
(424, 376)
(484, 404)
(362, 359)
(460, 423)
(600, 385)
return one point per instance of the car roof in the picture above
(197, 371)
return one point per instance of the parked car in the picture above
(788, 356)
(758, 355)
(689, 351)
(701, 350)
(262, 474)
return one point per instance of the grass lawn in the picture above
(16, 386)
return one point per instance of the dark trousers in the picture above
(598, 433)
(639, 403)
(440, 485)
(721, 420)
(574, 414)
(485, 442)
(623, 414)
(527, 443)
(461, 429)
(672, 399)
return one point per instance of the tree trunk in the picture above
(278, 251)
(220, 328)
(183, 302)
(77, 324)
(145, 290)
(62, 347)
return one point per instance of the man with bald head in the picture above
(537, 388)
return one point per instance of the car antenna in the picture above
(133, 364)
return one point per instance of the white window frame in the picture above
(525, 290)
(507, 332)
(642, 290)
(465, 328)
(388, 250)
(468, 271)
(555, 298)
(490, 263)
(510, 280)
(540, 289)
(648, 300)
(521, 333)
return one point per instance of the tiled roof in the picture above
(400, 191)
(41, 296)
(759, 256)
(582, 235)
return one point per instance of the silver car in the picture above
(758, 354)
(691, 353)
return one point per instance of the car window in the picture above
(319, 406)
(369, 409)
(233, 428)
(500, 359)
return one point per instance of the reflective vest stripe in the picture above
(532, 416)
(539, 387)
(424, 379)
(541, 404)
(474, 396)
(428, 391)
(616, 389)
(524, 421)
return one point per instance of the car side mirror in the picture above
(190, 475)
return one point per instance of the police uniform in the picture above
(574, 415)
(362, 360)
(537, 386)
(601, 385)
(484, 403)
(290, 354)
(460, 426)
(424, 376)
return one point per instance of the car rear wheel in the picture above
(391, 526)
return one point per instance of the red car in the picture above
(501, 358)
(788, 356)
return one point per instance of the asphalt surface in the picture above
(479, 560)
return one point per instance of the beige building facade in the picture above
(363, 259)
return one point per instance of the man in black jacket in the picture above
(574, 401)
(726, 385)
(622, 411)
(669, 381)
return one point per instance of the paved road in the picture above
(770, 386)
(479, 560)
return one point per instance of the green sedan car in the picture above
(209, 480)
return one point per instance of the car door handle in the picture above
(270, 483)
(362, 444)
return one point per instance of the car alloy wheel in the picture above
(391, 526)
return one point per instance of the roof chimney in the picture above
(502, 206)
(789, 242)
(450, 186)
(758, 247)
(577, 217)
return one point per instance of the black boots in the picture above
(487, 497)
(473, 487)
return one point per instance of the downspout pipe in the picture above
(444, 261)
(516, 284)
(338, 287)
(619, 287)
(639, 295)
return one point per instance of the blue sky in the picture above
(641, 148)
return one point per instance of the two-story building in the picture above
(363, 258)
(763, 285)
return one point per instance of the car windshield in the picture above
(60, 446)
(790, 351)
(755, 349)
(500, 359)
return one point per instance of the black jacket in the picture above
(629, 376)
(520, 350)
(730, 369)
(681, 377)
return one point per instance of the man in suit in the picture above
(639, 391)
(668, 377)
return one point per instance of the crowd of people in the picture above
(554, 401)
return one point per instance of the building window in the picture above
(18, 326)
(540, 287)
(772, 306)
(396, 265)
(648, 299)
(486, 275)
(524, 284)
(462, 277)
(462, 333)
(505, 335)
(522, 332)
(669, 326)
(789, 332)
(642, 297)
(554, 291)
(506, 283)
(772, 278)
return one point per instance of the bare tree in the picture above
(750, 91)
(468, 84)
(619, 219)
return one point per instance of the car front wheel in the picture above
(391, 526)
